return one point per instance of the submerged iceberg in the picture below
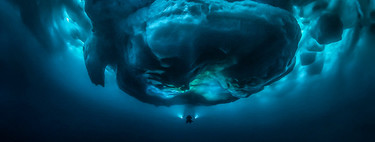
(204, 52)
(168, 52)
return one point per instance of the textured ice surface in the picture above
(47, 89)
(206, 52)
(191, 51)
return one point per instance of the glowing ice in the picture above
(191, 52)
(205, 52)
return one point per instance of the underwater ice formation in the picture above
(190, 51)
(204, 52)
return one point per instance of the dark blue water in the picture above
(47, 95)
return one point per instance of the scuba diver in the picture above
(189, 119)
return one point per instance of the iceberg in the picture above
(191, 51)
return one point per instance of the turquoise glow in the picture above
(196, 116)
(180, 116)
(209, 84)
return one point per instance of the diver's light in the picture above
(196, 116)
(67, 19)
(180, 116)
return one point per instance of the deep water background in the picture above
(46, 95)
